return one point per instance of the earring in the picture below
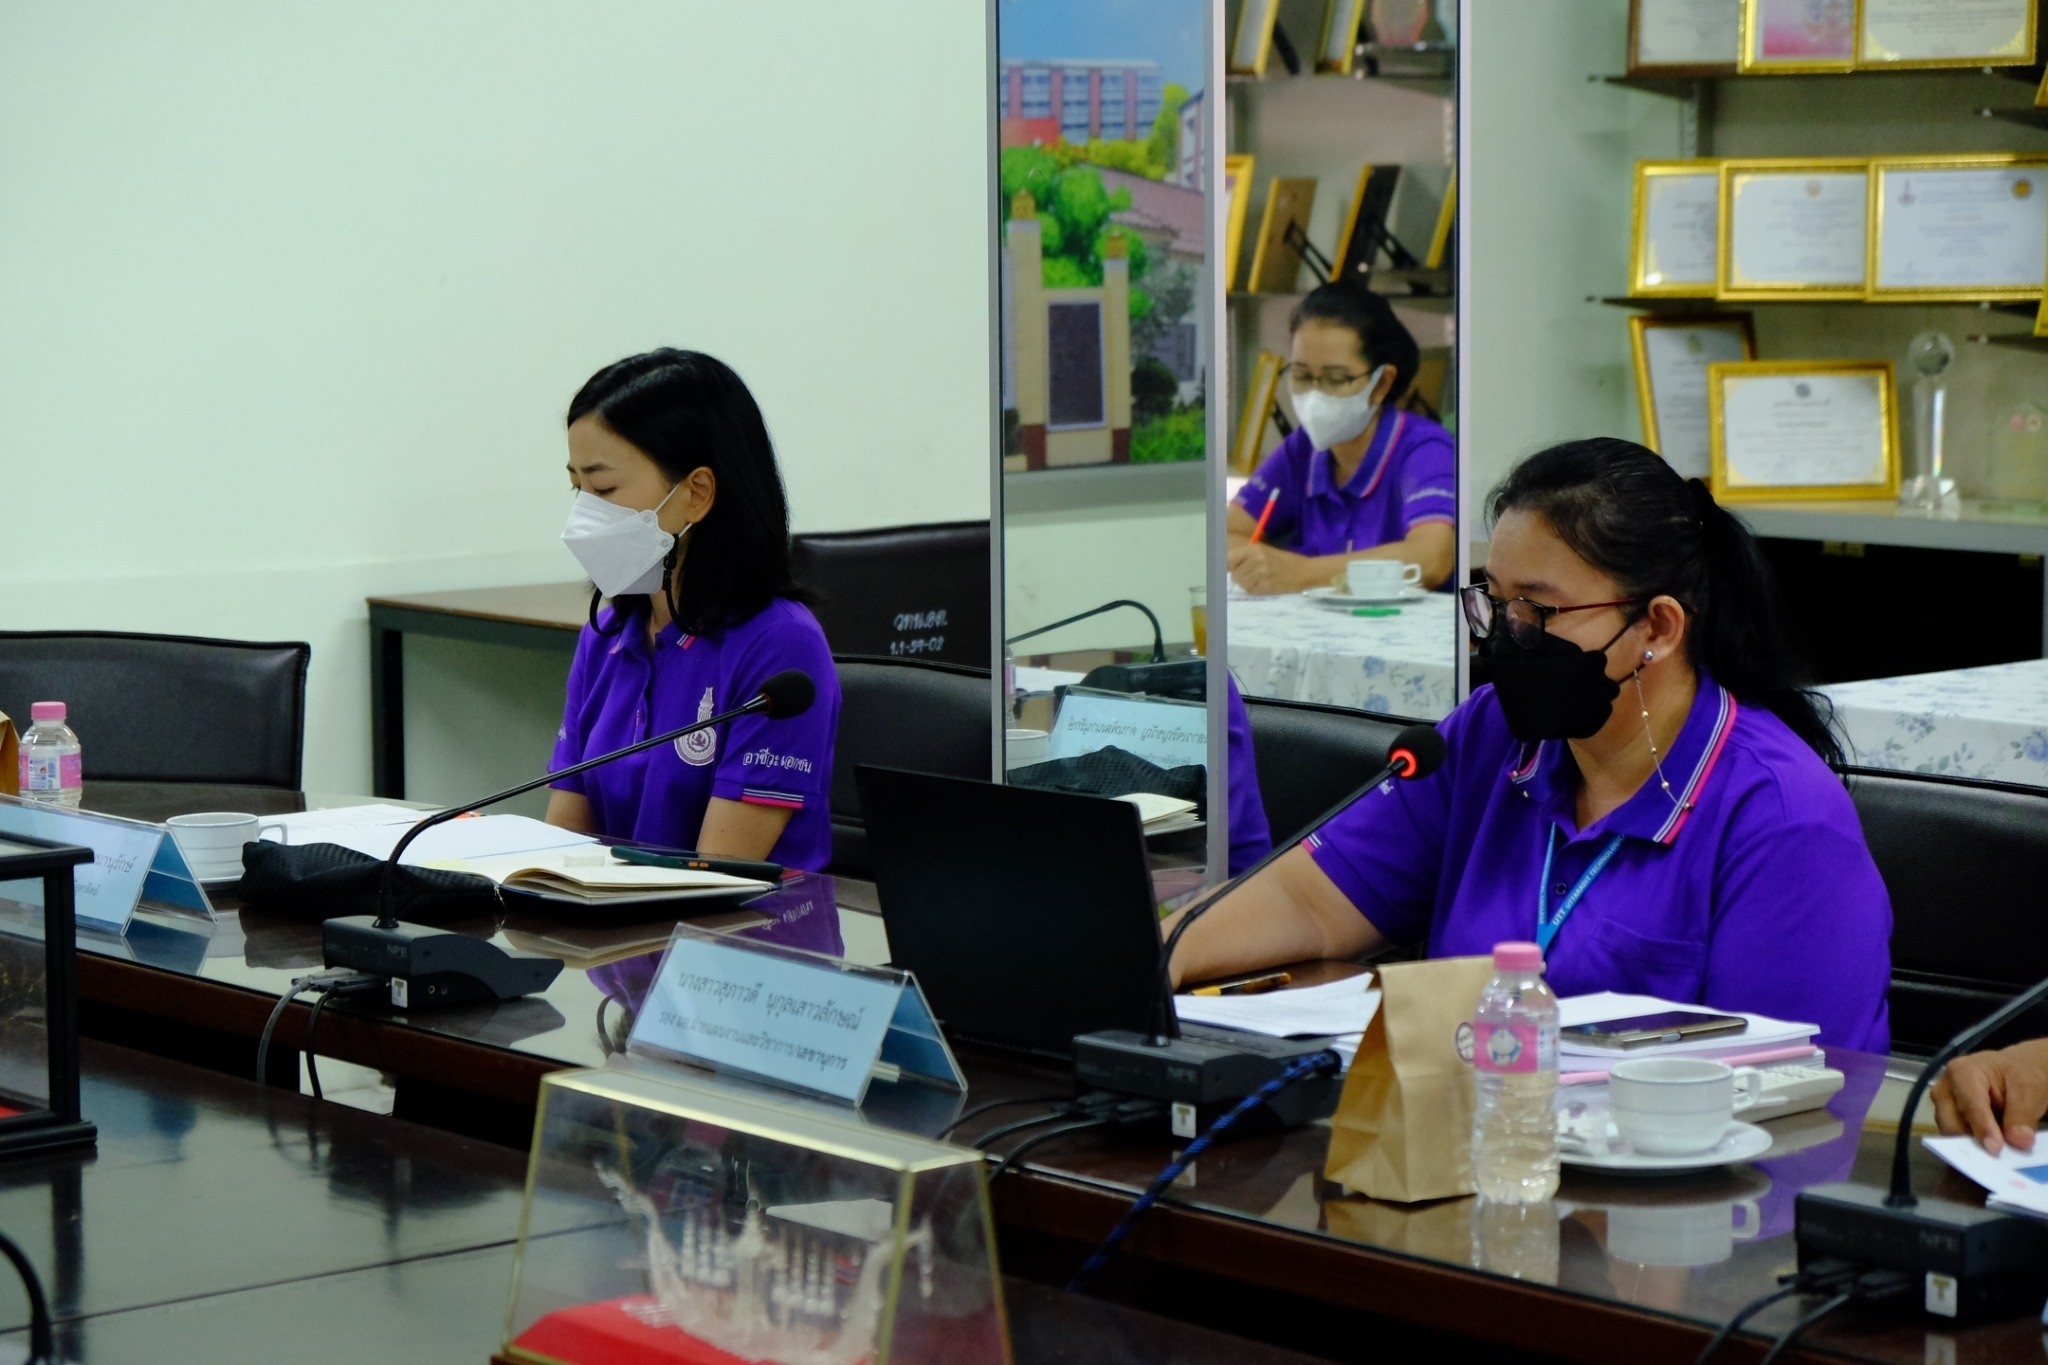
(1649, 654)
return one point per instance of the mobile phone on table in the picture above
(1642, 1030)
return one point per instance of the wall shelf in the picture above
(1683, 306)
(1683, 87)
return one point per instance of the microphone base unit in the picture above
(1977, 1264)
(430, 967)
(1202, 1075)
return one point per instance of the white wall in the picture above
(295, 295)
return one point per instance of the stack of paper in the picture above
(374, 830)
(1338, 1009)
(1163, 814)
(594, 875)
(2017, 1181)
(1763, 1032)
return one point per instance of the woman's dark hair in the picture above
(1626, 512)
(685, 411)
(1382, 339)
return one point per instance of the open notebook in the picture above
(594, 875)
(1163, 814)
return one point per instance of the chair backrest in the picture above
(1309, 756)
(908, 714)
(166, 708)
(1966, 863)
(917, 592)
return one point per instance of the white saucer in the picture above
(1331, 597)
(1742, 1142)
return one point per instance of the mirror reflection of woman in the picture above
(1643, 788)
(1357, 478)
(681, 522)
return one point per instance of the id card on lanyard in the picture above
(1547, 922)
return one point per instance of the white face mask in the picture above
(622, 550)
(1333, 421)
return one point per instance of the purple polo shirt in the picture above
(621, 691)
(1407, 478)
(1759, 894)
(1250, 837)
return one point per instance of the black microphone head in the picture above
(788, 693)
(1422, 747)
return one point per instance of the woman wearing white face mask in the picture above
(1356, 479)
(680, 521)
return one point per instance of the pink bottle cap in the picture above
(46, 710)
(1517, 957)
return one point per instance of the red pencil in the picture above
(1265, 516)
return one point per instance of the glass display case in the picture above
(694, 1221)
(39, 996)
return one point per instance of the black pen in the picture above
(690, 862)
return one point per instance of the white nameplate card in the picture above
(1172, 734)
(794, 1018)
(106, 889)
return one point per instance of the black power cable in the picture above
(978, 1110)
(1016, 1153)
(1798, 1329)
(40, 1347)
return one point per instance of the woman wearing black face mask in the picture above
(1643, 790)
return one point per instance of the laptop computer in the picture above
(1027, 915)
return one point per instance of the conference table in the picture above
(1989, 722)
(1292, 648)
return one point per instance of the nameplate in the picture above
(106, 889)
(1172, 734)
(794, 1018)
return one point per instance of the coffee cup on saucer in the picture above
(1677, 1106)
(1381, 577)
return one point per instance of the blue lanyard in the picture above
(1548, 924)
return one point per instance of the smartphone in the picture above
(1672, 1026)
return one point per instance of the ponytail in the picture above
(1624, 510)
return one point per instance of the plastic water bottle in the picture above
(1514, 1053)
(49, 758)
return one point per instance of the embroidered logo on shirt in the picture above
(701, 747)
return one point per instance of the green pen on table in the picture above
(1375, 611)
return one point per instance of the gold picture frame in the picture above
(2041, 318)
(1645, 281)
(1738, 174)
(1752, 60)
(1237, 191)
(1733, 484)
(1251, 46)
(1637, 66)
(1260, 394)
(2017, 50)
(1640, 328)
(1276, 262)
(2024, 188)
(1341, 19)
(1446, 218)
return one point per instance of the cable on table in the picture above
(978, 1110)
(1798, 1329)
(1016, 1153)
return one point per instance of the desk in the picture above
(1968, 722)
(543, 616)
(1404, 665)
(1256, 1213)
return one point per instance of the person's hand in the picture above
(1263, 569)
(1996, 1097)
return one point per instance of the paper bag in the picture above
(10, 758)
(1403, 1126)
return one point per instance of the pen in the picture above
(1259, 531)
(1253, 985)
(1375, 611)
(690, 862)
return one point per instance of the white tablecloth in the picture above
(1971, 722)
(1402, 665)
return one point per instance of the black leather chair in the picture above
(1966, 863)
(166, 708)
(1309, 756)
(902, 713)
(917, 592)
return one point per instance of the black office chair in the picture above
(1966, 863)
(901, 713)
(917, 592)
(1309, 756)
(166, 708)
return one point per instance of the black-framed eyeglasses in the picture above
(1525, 621)
(1332, 382)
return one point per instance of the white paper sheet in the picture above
(479, 836)
(2017, 1180)
(1339, 1007)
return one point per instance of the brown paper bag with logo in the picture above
(1403, 1126)
(10, 758)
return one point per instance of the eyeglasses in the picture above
(1332, 382)
(1525, 621)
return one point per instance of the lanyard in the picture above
(1548, 924)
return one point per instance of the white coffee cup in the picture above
(212, 840)
(1683, 1234)
(1677, 1106)
(1022, 748)
(1381, 577)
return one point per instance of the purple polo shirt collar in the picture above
(1548, 772)
(1365, 480)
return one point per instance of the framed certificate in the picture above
(1684, 37)
(1259, 396)
(1672, 355)
(1784, 429)
(1446, 222)
(1793, 229)
(1276, 256)
(1340, 35)
(1676, 232)
(1252, 44)
(1237, 199)
(1795, 37)
(2041, 319)
(1909, 33)
(1958, 227)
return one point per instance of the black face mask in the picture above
(1554, 691)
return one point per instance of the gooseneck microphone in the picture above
(1416, 752)
(1158, 636)
(444, 967)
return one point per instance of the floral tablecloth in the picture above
(1971, 722)
(1403, 665)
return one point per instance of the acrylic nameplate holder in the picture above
(793, 1018)
(1162, 730)
(133, 862)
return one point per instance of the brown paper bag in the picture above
(1403, 1126)
(10, 758)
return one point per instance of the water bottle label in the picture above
(50, 772)
(1513, 1049)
